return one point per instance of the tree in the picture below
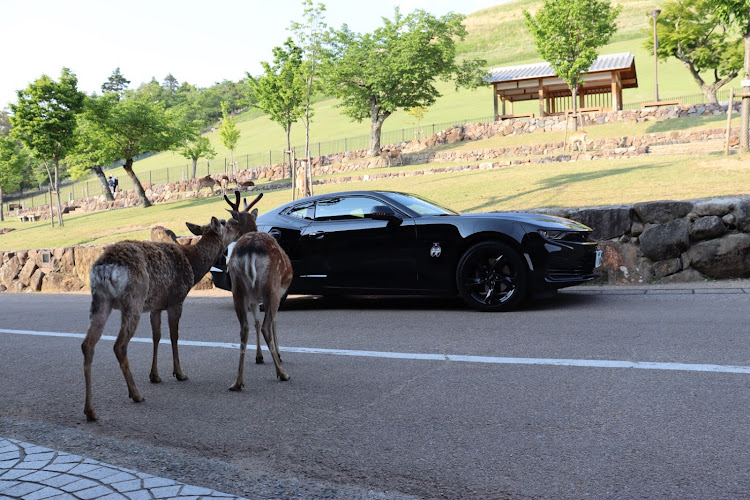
(281, 91)
(170, 84)
(738, 11)
(133, 126)
(4, 123)
(13, 161)
(194, 149)
(44, 119)
(694, 33)
(311, 35)
(228, 132)
(417, 112)
(396, 66)
(567, 34)
(116, 83)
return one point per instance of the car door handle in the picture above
(275, 233)
(317, 234)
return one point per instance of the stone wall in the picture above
(659, 241)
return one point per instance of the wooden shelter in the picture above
(601, 88)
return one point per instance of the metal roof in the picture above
(609, 62)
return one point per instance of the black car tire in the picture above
(492, 276)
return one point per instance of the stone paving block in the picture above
(59, 467)
(63, 496)
(5, 447)
(100, 473)
(119, 477)
(40, 475)
(139, 495)
(156, 482)
(124, 486)
(39, 457)
(185, 498)
(78, 485)
(166, 491)
(95, 492)
(43, 494)
(22, 489)
(60, 480)
(81, 469)
(14, 474)
(64, 458)
(32, 465)
(188, 490)
(7, 464)
(10, 455)
(30, 449)
(4, 485)
(113, 496)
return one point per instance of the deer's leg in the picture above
(99, 314)
(130, 317)
(268, 326)
(255, 308)
(156, 335)
(174, 312)
(240, 307)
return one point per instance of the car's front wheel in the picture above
(492, 276)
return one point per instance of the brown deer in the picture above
(206, 181)
(139, 276)
(578, 139)
(223, 181)
(391, 154)
(261, 272)
(243, 185)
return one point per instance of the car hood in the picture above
(537, 220)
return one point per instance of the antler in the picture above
(236, 205)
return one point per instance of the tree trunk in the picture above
(745, 128)
(574, 93)
(289, 147)
(57, 192)
(377, 117)
(2, 213)
(136, 183)
(103, 179)
(195, 167)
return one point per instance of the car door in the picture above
(351, 245)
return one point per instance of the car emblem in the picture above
(435, 251)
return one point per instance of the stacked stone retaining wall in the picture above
(659, 241)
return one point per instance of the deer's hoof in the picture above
(154, 378)
(237, 387)
(91, 416)
(137, 398)
(180, 376)
(259, 361)
(283, 377)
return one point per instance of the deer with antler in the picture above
(140, 276)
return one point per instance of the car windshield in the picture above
(420, 205)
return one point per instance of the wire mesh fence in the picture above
(70, 191)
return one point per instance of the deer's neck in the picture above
(203, 254)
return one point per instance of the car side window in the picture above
(306, 211)
(345, 208)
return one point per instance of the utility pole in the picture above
(654, 14)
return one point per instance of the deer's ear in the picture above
(215, 224)
(194, 228)
(254, 213)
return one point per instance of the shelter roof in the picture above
(608, 62)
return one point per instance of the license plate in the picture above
(598, 261)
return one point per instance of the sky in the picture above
(199, 42)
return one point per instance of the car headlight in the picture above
(558, 235)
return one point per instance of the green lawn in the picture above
(573, 184)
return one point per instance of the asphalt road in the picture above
(601, 392)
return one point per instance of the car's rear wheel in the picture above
(492, 276)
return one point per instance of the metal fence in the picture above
(92, 186)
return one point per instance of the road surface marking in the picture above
(497, 360)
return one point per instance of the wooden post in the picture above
(729, 120)
(494, 98)
(541, 101)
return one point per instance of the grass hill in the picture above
(496, 34)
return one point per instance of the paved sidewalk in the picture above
(31, 472)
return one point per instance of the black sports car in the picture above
(385, 243)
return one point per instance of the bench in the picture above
(652, 104)
(29, 217)
(15, 206)
(594, 109)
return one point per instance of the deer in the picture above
(391, 154)
(243, 185)
(206, 181)
(577, 139)
(223, 181)
(261, 272)
(140, 276)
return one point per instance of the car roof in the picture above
(338, 193)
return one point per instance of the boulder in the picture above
(85, 257)
(715, 206)
(621, 264)
(35, 282)
(665, 241)
(726, 257)
(27, 271)
(742, 215)
(9, 272)
(707, 227)
(607, 222)
(659, 212)
(56, 282)
(686, 276)
(666, 267)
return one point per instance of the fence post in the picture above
(149, 179)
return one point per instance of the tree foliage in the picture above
(228, 132)
(281, 90)
(396, 66)
(195, 149)
(693, 32)
(44, 119)
(116, 83)
(568, 33)
(14, 161)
